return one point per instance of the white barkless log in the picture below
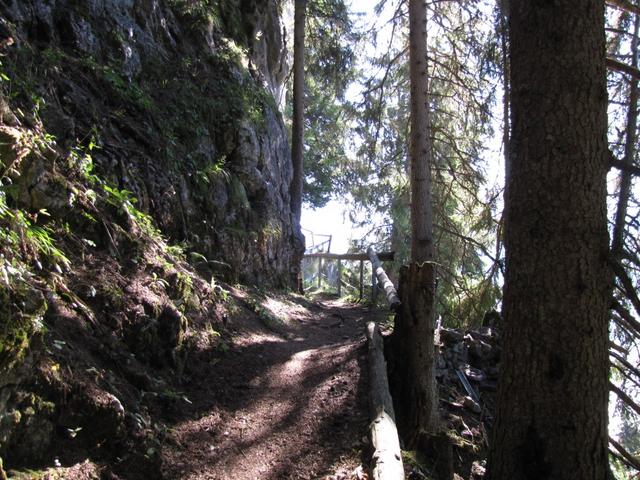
(383, 280)
(387, 460)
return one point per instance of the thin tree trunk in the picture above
(420, 149)
(551, 416)
(297, 144)
(412, 358)
(506, 101)
(297, 127)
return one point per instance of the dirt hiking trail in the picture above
(278, 406)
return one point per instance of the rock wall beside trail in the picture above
(143, 157)
(180, 99)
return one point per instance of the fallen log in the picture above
(387, 461)
(383, 280)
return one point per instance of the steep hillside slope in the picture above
(143, 160)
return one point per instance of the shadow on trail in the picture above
(273, 409)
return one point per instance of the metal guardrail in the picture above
(318, 247)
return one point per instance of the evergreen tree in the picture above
(297, 125)
(551, 418)
(329, 59)
(414, 386)
(463, 71)
(622, 54)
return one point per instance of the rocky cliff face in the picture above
(143, 159)
(179, 98)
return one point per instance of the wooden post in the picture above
(319, 272)
(339, 278)
(361, 284)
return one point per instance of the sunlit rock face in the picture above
(181, 99)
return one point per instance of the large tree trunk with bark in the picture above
(412, 353)
(551, 418)
(297, 125)
(413, 383)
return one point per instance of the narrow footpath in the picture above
(292, 405)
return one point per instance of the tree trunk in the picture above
(412, 352)
(420, 149)
(413, 380)
(297, 142)
(551, 416)
(297, 127)
(506, 101)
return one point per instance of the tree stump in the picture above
(411, 356)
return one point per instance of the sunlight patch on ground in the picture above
(284, 309)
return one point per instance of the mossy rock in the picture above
(22, 310)
(27, 428)
(10, 150)
(238, 194)
(158, 341)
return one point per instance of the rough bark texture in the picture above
(551, 419)
(412, 353)
(413, 382)
(420, 149)
(297, 136)
(297, 127)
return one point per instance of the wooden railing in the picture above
(387, 458)
(353, 257)
(323, 246)
(384, 283)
